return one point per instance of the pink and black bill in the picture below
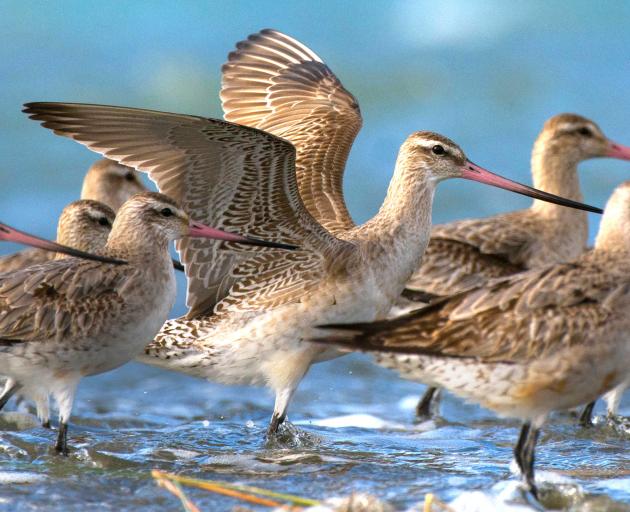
(201, 230)
(9, 234)
(473, 172)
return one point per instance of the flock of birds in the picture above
(513, 312)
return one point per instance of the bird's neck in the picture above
(555, 171)
(395, 239)
(135, 245)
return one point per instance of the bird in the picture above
(466, 253)
(275, 83)
(248, 315)
(106, 182)
(549, 338)
(67, 319)
(11, 234)
(111, 183)
(85, 225)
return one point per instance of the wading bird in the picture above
(67, 319)
(523, 346)
(83, 225)
(275, 83)
(249, 313)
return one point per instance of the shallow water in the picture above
(354, 435)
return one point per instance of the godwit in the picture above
(546, 339)
(83, 225)
(249, 312)
(275, 83)
(107, 182)
(111, 183)
(67, 319)
(9, 234)
(467, 253)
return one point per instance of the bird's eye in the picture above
(166, 212)
(130, 177)
(438, 150)
(585, 131)
(103, 221)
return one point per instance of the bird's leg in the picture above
(65, 398)
(613, 399)
(283, 398)
(529, 455)
(518, 449)
(61, 446)
(426, 402)
(586, 418)
(43, 409)
(10, 388)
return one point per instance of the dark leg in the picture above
(423, 409)
(525, 456)
(8, 394)
(586, 418)
(61, 445)
(518, 449)
(274, 424)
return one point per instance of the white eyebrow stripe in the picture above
(430, 143)
(567, 127)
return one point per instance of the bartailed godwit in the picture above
(111, 183)
(83, 225)
(275, 83)
(107, 182)
(523, 346)
(250, 312)
(465, 254)
(67, 319)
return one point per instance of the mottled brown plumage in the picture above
(105, 182)
(467, 253)
(275, 83)
(67, 319)
(251, 310)
(523, 346)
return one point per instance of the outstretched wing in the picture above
(511, 320)
(230, 176)
(467, 254)
(60, 299)
(275, 83)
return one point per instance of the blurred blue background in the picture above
(485, 73)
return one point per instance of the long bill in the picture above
(9, 234)
(201, 230)
(618, 151)
(473, 172)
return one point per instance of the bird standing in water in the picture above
(67, 319)
(249, 313)
(523, 346)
